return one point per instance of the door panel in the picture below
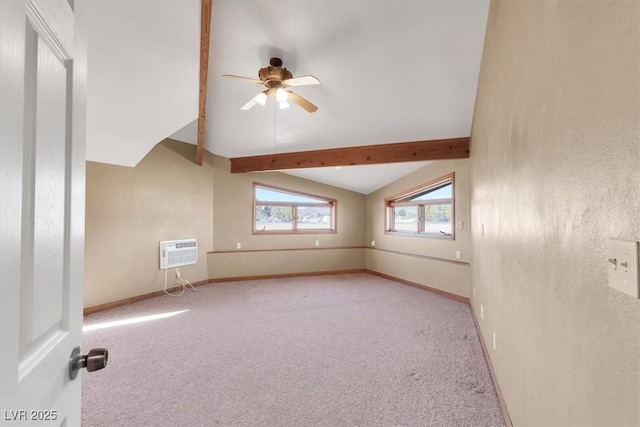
(50, 195)
(42, 224)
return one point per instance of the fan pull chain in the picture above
(275, 112)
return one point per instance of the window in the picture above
(277, 210)
(426, 210)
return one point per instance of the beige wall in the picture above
(129, 210)
(267, 263)
(555, 173)
(232, 222)
(447, 276)
(434, 273)
(166, 196)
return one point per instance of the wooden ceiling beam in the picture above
(439, 149)
(205, 33)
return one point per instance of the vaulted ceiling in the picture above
(390, 71)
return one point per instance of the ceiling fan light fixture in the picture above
(261, 98)
(277, 79)
(282, 95)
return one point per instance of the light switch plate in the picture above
(623, 266)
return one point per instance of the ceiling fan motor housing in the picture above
(272, 76)
(275, 62)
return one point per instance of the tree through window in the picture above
(426, 210)
(278, 210)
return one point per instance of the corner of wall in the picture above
(129, 210)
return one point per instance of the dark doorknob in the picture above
(94, 361)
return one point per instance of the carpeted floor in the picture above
(340, 350)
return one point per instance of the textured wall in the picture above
(129, 210)
(555, 173)
(444, 276)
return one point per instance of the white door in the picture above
(43, 69)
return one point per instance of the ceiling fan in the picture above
(277, 79)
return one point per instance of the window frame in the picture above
(329, 202)
(400, 199)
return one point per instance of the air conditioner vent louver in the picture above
(176, 253)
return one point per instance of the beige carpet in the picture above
(340, 350)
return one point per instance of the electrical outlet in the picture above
(177, 272)
(459, 224)
(494, 340)
(482, 311)
(457, 254)
(373, 243)
(317, 242)
(238, 245)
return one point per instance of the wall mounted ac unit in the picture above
(176, 253)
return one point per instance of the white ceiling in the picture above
(143, 71)
(391, 71)
(361, 179)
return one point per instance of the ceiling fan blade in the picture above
(242, 78)
(260, 98)
(302, 102)
(301, 81)
(249, 105)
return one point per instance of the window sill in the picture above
(420, 235)
(289, 232)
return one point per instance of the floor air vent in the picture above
(176, 253)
